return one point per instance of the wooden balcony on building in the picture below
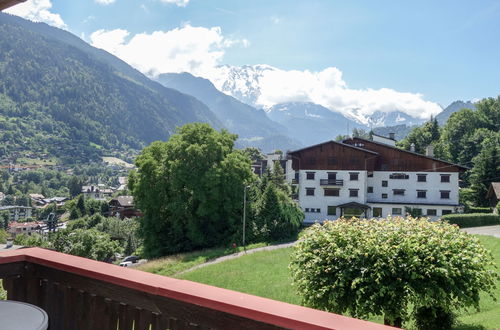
(79, 293)
(329, 182)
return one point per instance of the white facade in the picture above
(383, 191)
(17, 212)
(432, 186)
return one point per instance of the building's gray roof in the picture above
(10, 207)
(125, 200)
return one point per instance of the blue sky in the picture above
(444, 50)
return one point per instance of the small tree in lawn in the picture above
(388, 266)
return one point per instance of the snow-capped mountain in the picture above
(245, 83)
(242, 82)
(379, 118)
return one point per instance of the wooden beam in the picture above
(4, 4)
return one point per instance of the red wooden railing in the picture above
(79, 293)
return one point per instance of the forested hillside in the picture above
(61, 97)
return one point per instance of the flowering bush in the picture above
(382, 267)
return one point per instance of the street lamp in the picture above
(244, 214)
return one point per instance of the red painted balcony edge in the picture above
(228, 301)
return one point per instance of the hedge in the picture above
(472, 219)
(478, 209)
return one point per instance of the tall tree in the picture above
(190, 190)
(74, 186)
(486, 169)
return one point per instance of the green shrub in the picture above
(472, 219)
(383, 267)
(477, 209)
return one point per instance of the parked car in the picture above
(133, 259)
(126, 264)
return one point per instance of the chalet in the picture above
(493, 195)
(98, 192)
(372, 178)
(123, 207)
(16, 228)
(17, 212)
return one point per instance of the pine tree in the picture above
(129, 248)
(486, 169)
(80, 205)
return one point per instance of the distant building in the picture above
(493, 195)
(371, 178)
(98, 192)
(123, 207)
(17, 212)
(2, 196)
(260, 167)
(16, 228)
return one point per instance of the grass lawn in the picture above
(174, 264)
(266, 274)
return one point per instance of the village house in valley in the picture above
(17, 212)
(371, 178)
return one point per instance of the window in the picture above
(399, 176)
(370, 190)
(353, 176)
(309, 191)
(384, 183)
(332, 192)
(398, 192)
(384, 196)
(445, 194)
(311, 161)
(397, 211)
(445, 212)
(332, 176)
(431, 212)
(353, 192)
(445, 178)
(422, 177)
(377, 212)
(312, 210)
(332, 161)
(421, 193)
(332, 210)
(310, 175)
(370, 174)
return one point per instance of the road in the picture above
(485, 230)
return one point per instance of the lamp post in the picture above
(244, 214)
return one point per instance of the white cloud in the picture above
(200, 51)
(197, 50)
(180, 3)
(37, 11)
(328, 89)
(105, 2)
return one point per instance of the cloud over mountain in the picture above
(200, 51)
(37, 11)
(197, 50)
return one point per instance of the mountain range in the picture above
(60, 96)
(443, 116)
(253, 126)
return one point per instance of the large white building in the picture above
(371, 178)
